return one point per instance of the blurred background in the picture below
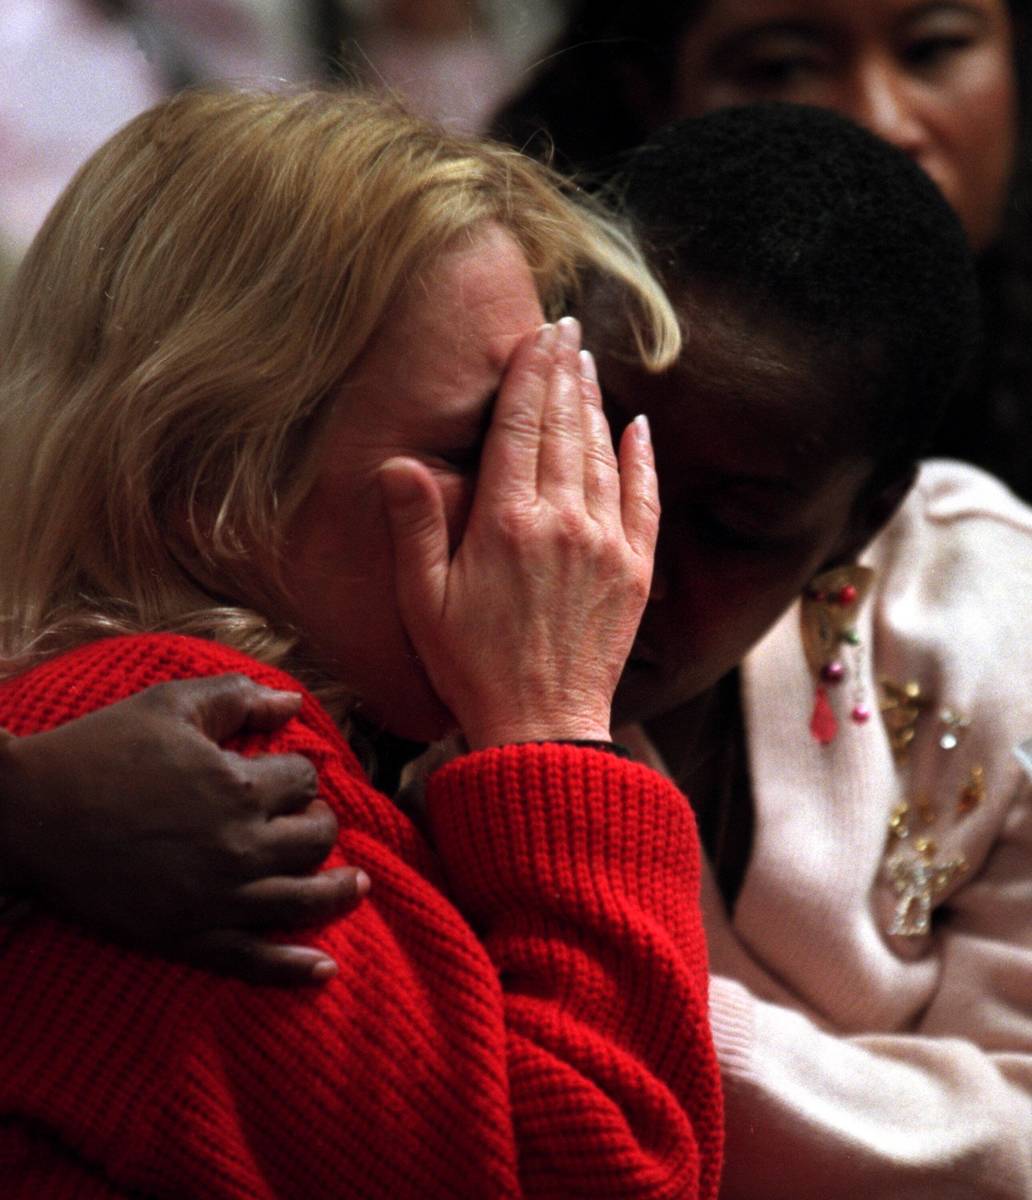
(73, 71)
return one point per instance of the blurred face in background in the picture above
(936, 79)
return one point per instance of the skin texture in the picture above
(422, 390)
(171, 840)
(504, 602)
(935, 79)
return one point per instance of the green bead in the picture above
(852, 637)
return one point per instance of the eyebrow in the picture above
(934, 7)
(811, 29)
(783, 486)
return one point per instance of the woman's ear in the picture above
(874, 508)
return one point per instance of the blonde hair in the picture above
(195, 298)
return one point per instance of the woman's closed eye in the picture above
(463, 458)
(720, 532)
(774, 60)
(772, 71)
(926, 53)
(462, 443)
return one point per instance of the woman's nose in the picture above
(883, 100)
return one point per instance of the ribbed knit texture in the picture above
(563, 1050)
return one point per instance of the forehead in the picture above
(723, 22)
(443, 344)
(723, 15)
(478, 295)
(745, 398)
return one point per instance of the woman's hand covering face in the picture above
(525, 628)
(136, 823)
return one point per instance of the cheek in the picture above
(988, 119)
(733, 609)
(974, 161)
(338, 561)
(718, 605)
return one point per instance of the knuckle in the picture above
(312, 898)
(235, 778)
(239, 850)
(649, 505)
(307, 776)
(571, 528)
(638, 589)
(233, 686)
(515, 526)
(534, 368)
(602, 460)
(323, 825)
(234, 953)
(518, 426)
(161, 697)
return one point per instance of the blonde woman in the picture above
(279, 397)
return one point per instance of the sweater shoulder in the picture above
(961, 538)
(107, 670)
(955, 493)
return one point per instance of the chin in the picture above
(639, 695)
(417, 720)
(646, 691)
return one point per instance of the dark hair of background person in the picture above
(584, 107)
(809, 226)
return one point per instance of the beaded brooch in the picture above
(912, 870)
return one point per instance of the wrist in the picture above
(607, 747)
(510, 733)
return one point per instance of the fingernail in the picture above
(546, 337)
(324, 969)
(362, 883)
(280, 694)
(642, 431)
(587, 366)
(569, 332)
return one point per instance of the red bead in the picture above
(847, 595)
(833, 672)
(861, 714)
(823, 725)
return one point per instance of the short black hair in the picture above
(800, 218)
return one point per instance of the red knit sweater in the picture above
(560, 1050)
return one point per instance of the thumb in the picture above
(223, 705)
(415, 514)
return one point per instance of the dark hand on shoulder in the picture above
(134, 822)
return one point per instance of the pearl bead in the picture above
(861, 714)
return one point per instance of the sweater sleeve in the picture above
(940, 1109)
(524, 1014)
